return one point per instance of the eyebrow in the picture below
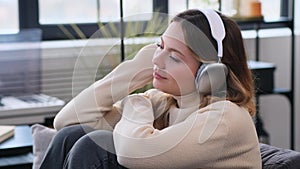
(172, 49)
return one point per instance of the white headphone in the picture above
(212, 76)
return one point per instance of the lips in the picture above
(158, 76)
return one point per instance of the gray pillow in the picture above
(41, 137)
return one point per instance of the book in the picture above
(6, 132)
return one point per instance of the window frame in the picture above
(29, 18)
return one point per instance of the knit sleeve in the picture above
(94, 105)
(221, 135)
(138, 144)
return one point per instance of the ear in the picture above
(211, 77)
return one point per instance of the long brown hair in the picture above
(240, 86)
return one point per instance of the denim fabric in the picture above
(80, 147)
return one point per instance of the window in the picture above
(9, 16)
(191, 4)
(106, 13)
(214, 4)
(52, 15)
(174, 8)
(60, 18)
(134, 11)
(271, 9)
(67, 11)
(91, 11)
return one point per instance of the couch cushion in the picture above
(279, 158)
(42, 137)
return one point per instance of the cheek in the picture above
(183, 76)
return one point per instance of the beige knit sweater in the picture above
(220, 135)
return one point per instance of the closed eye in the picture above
(174, 58)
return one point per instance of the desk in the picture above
(16, 152)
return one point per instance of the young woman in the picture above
(198, 115)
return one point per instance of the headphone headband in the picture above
(217, 28)
(211, 78)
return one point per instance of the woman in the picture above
(198, 115)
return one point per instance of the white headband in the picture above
(217, 28)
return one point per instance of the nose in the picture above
(159, 58)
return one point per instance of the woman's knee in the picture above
(95, 149)
(103, 139)
(87, 152)
(99, 139)
(71, 133)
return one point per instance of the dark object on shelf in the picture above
(248, 19)
(263, 73)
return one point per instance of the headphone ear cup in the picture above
(211, 77)
(199, 75)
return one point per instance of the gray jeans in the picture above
(81, 147)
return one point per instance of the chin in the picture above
(156, 86)
(164, 88)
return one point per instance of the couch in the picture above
(272, 157)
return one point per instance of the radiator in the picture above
(66, 72)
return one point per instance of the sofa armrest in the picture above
(279, 158)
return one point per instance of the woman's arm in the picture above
(200, 141)
(139, 145)
(93, 106)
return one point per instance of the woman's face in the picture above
(175, 66)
